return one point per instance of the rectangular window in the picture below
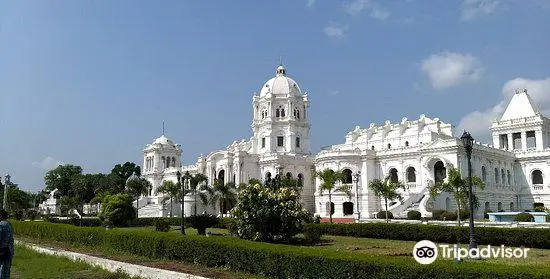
(280, 141)
(530, 138)
(297, 142)
(516, 138)
(263, 142)
(503, 141)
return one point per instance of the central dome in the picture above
(280, 85)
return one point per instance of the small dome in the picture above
(280, 84)
(132, 177)
(163, 140)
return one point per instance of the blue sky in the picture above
(90, 82)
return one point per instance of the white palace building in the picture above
(516, 168)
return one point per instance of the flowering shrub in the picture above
(268, 214)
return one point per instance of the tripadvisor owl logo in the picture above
(425, 252)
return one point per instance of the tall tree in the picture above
(123, 172)
(329, 179)
(61, 179)
(195, 183)
(137, 187)
(221, 193)
(458, 188)
(388, 190)
(172, 190)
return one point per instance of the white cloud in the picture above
(447, 69)
(356, 6)
(379, 13)
(479, 122)
(47, 163)
(336, 30)
(310, 3)
(473, 9)
(334, 92)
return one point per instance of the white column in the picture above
(524, 140)
(510, 142)
(539, 140)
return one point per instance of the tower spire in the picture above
(163, 128)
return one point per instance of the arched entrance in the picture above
(440, 172)
(221, 177)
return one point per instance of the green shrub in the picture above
(267, 260)
(524, 217)
(202, 222)
(382, 215)
(414, 215)
(31, 214)
(117, 210)
(162, 225)
(312, 236)
(18, 214)
(448, 216)
(514, 237)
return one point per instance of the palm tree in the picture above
(329, 178)
(194, 182)
(387, 189)
(170, 188)
(458, 187)
(136, 187)
(221, 194)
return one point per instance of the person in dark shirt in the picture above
(6, 241)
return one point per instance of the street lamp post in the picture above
(178, 174)
(468, 143)
(6, 183)
(356, 182)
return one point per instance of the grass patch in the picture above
(178, 266)
(31, 264)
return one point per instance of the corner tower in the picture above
(280, 123)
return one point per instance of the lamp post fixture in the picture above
(356, 182)
(178, 174)
(6, 183)
(468, 143)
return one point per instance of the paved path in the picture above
(114, 266)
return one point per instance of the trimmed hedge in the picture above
(414, 215)
(190, 221)
(516, 237)
(271, 260)
(524, 217)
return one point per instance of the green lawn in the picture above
(33, 265)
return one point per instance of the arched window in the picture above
(389, 145)
(300, 179)
(277, 113)
(173, 161)
(407, 143)
(483, 174)
(283, 112)
(512, 206)
(509, 178)
(440, 172)
(448, 206)
(348, 208)
(298, 114)
(503, 177)
(536, 177)
(393, 175)
(411, 174)
(496, 176)
(499, 206)
(234, 178)
(487, 206)
(372, 147)
(163, 162)
(346, 176)
(267, 176)
(289, 175)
